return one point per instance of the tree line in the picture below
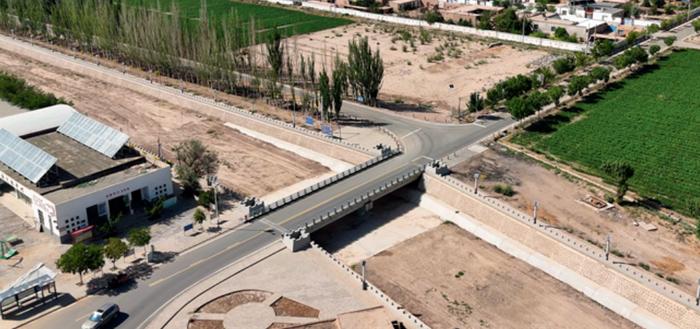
(214, 52)
(17, 92)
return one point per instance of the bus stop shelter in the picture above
(32, 287)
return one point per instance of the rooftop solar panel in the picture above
(23, 157)
(93, 134)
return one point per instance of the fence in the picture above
(647, 279)
(324, 183)
(448, 27)
(358, 202)
(384, 298)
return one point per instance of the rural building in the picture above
(75, 172)
(599, 11)
(581, 28)
(469, 13)
(404, 5)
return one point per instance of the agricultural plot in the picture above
(650, 120)
(289, 22)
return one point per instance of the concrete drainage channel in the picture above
(301, 237)
(258, 208)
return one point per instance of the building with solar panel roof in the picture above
(75, 172)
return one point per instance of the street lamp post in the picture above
(608, 243)
(476, 182)
(534, 211)
(213, 181)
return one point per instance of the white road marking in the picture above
(411, 133)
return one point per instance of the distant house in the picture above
(404, 5)
(599, 11)
(582, 28)
(469, 13)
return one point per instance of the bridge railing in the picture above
(388, 302)
(386, 154)
(357, 202)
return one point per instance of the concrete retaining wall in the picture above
(626, 290)
(448, 27)
(410, 320)
(275, 128)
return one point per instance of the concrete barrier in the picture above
(628, 291)
(409, 319)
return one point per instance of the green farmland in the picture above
(289, 22)
(651, 120)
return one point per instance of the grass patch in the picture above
(289, 22)
(504, 189)
(650, 120)
(17, 92)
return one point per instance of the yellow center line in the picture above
(159, 281)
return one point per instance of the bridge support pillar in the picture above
(297, 240)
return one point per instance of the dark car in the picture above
(101, 317)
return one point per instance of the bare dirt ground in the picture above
(694, 40)
(670, 252)
(249, 166)
(414, 74)
(452, 279)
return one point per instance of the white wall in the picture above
(454, 28)
(76, 208)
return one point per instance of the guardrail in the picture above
(647, 279)
(357, 202)
(378, 293)
(389, 153)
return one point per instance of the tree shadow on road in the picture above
(36, 307)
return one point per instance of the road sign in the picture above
(327, 130)
(188, 227)
(309, 121)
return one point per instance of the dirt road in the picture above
(452, 279)
(249, 166)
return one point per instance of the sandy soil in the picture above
(694, 40)
(670, 251)
(409, 77)
(249, 166)
(451, 279)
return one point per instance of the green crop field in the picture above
(289, 22)
(651, 120)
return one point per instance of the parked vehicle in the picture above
(101, 316)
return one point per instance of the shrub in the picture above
(696, 25)
(645, 266)
(600, 73)
(504, 189)
(669, 40)
(654, 49)
(563, 65)
(17, 92)
(602, 48)
(433, 16)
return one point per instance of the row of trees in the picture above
(211, 52)
(81, 258)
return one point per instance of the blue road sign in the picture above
(309, 121)
(327, 130)
(188, 227)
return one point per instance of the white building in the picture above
(74, 172)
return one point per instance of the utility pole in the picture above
(364, 281)
(476, 182)
(534, 211)
(608, 243)
(697, 295)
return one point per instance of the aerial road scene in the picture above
(350, 164)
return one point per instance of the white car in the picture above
(101, 317)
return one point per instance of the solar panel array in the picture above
(23, 157)
(94, 134)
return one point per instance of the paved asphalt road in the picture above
(423, 142)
